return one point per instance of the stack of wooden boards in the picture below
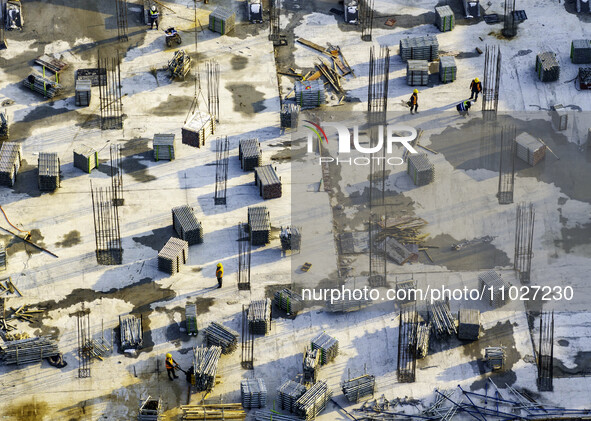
(220, 411)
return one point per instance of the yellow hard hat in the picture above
(169, 355)
(416, 91)
(476, 80)
(219, 265)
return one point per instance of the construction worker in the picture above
(476, 88)
(464, 107)
(219, 273)
(153, 17)
(171, 365)
(414, 101)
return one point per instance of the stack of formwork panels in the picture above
(311, 365)
(259, 225)
(420, 170)
(444, 18)
(559, 117)
(10, 162)
(3, 125)
(309, 93)
(328, 346)
(150, 410)
(580, 51)
(417, 72)
(253, 393)
(530, 149)
(419, 48)
(197, 129)
(249, 153)
(2, 256)
(191, 319)
(164, 147)
(30, 350)
(85, 158)
(496, 289)
(173, 255)
(472, 8)
(259, 316)
(48, 171)
(547, 67)
(447, 69)
(186, 225)
(222, 20)
(289, 393)
(313, 402)
(131, 333)
(82, 94)
(47, 88)
(289, 116)
(268, 182)
(222, 336)
(289, 301)
(468, 324)
(205, 366)
(359, 387)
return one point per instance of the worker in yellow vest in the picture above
(219, 273)
(153, 17)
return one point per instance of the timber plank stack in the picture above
(197, 129)
(173, 255)
(530, 149)
(10, 162)
(224, 411)
(186, 225)
(222, 336)
(48, 167)
(268, 182)
(222, 20)
(85, 158)
(249, 153)
(164, 147)
(259, 225)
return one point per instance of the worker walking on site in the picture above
(219, 273)
(414, 101)
(464, 108)
(476, 88)
(171, 365)
(153, 17)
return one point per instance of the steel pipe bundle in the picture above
(580, 51)
(444, 18)
(10, 162)
(191, 319)
(311, 365)
(289, 393)
(85, 158)
(131, 332)
(253, 393)
(313, 402)
(164, 147)
(359, 387)
(530, 149)
(496, 290)
(419, 48)
(186, 225)
(45, 87)
(309, 93)
(249, 153)
(223, 411)
(291, 238)
(289, 301)
(328, 346)
(441, 319)
(222, 336)
(222, 20)
(259, 225)
(31, 350)
(468, 324)
(421, 340)
(447, 69)
(205, 366)
(173, 255)
(273, 416)
(289, 116)
(150, 410)
(48, 165)
(268, 182)
(547, 67)
(420, 169)
(259, 316)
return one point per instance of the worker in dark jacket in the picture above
(219, 273)
(476, 88)
(153, 17)
(171, 365)
(414, 101)
(464, 108)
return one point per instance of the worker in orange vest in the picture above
(219, 273)
(171, 365)
(475, 88)
(414, 101)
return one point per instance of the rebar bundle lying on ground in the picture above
(441, 319)
(253, 393)
(328, 346)
(313, 402)
(259, 316)
(289, 393)
(421, 341)
(131, 333)
(205, 366)
(311, 364)
(289, 301)
(223, 411)
(359, 387)
(31, 350)
(186, 225)
(222, 336)
(45, 87)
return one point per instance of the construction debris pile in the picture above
(420, 169)
(405, 229)
(309, 94)
(253, 393)
(186, 225)
(23, 313)
(191, 319)
(288, 301)
(179, 65)
(10, 162)
(150, 410)
(359, 387)
(291, 238)
(530, 149)
(164, 147)
(26, 351)
(447, 69)
(222, 20)
(580, 51)
(198, 127)
(290, 114)
(268, 182)
(249, 154)
(222, 411)
(205, 366)
(313, 402)
(222, 336)
(259, 225)
(468, 324)
(419, 48)
(442, 321)
(85, 158)
(328, 346)
(43, 86)
(259, 317)
(289, 393)
(311, 365)
(173, 255)
(444, 18)
(131, 332)
(417, 72)
(547, 67)
(496, 289)
(48, 165)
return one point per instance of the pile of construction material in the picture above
(547, 67)
(313, 402)
(442, 321)
(405, 229)
(191, 319)
(85, 158)
(345, 304)
(495, 357)
(197, 129)
(447, 68)
(359, 387)
(173, 255)
(468, 324)
(268, 182)
(288, 301)
(48, 171)
(496, 289)
(7, 287)
(309, 93)
(2, 257)
(259, 225)
(419, 48)
(253, 393)
(82, 93)
(289, 393)
(259, 317)
(43, 86)
(444, 18)
(530, 149)
(24, 313)
(150, 410)
(472, 8)
(328, 346)
(417, 72)
(273, 416)
(559, 117)
(222, 336)
(205, 366)
(97, 77)
(400, 253)
(580, 51)
(3, 125)
(420, 170)
(10, 162)
(420, 341)
(186, 225)
(222, 20)
(291, 238)
(179, 65)
(311, 365)
(131, 333)
(289, 116)
(222, 411)
(584, 78)
(26, 351)
(164, 147)
(250, 154)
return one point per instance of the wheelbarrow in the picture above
(172, 35)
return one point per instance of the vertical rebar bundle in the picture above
(524, 235)
(377, 254)
(109, 250)
(492, 80)
(221, 170)
(111, 106)
(247, 358)
(3, 44)
(274, 23)
(116, 175)
(366, 19)
(84, 338)
(510, 25)
(212, 68)
(506, 165)
(244, 251)
(121, 20)
(546, 353)
(407, 353)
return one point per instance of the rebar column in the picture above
(491, 83)
(366, 19)
(221, 170)
(84, 341)
(122, 26)
(510, 26)
(116, 175)
(524, 235)
(213, 89)
(247, 342)
(506, 165)
(546, 353)
(244, 252)
(275, 24)
(109, 250)
(407, 353)
(111, 107)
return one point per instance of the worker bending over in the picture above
(171, 365)
(464, 107)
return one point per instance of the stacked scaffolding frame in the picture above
(407, 352)
(122, 20)
(107, 233)
(492, 81)
(524, 235)
(247, 342)
(510, 25)
(244, 252)
(116, 175)
(366, 19)
(221, 170)
(111, 107)
(84, 338)
(212, 69)
(546, 353)
(506, 165)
